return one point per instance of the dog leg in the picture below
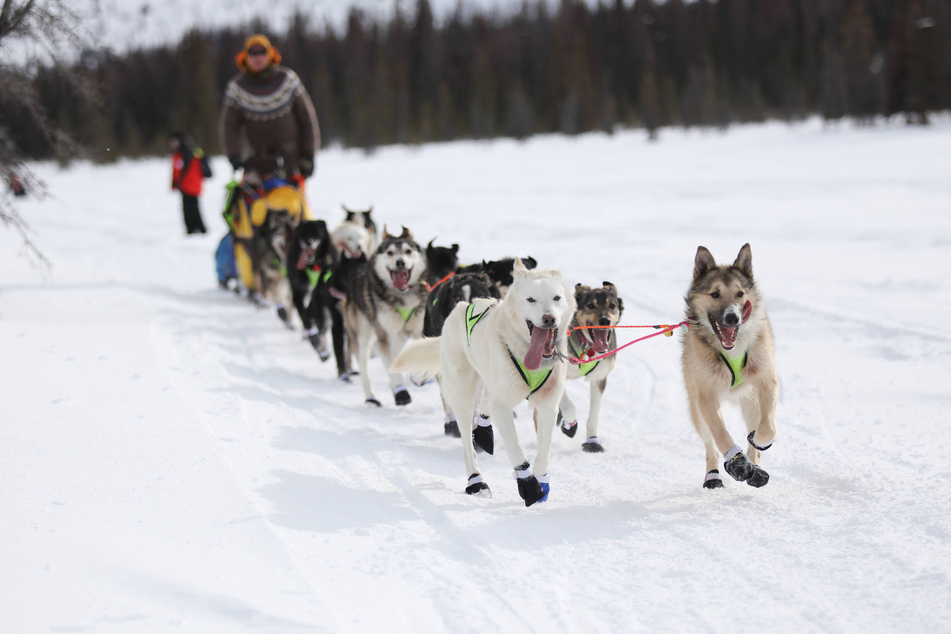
(388, 352)
(529, 488)
(341, 354)
(450, 426)
(545, 415)
(593, 445)
(461, 389)
(363, 361)
(762, 423)
(567, 416)
(751, 409)
(482, 424)
(734, 460)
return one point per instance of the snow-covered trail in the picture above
(172, 459)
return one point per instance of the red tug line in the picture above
(665, 329)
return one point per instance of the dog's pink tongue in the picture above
(600, 340)
(747, 310)
(536, 348)
(305, 255)
(400, 279)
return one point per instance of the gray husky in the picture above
(385, 306)
(728, 356)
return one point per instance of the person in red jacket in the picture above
(189, 168)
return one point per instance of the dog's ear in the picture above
(406, 234)
(620, 307)
(429, 247)
(530, 262)
(518, 269)
(744, 261)
(386, 234)
(580, 289)
(455, 249)
(349, 213)
(703, 262)
(609, 286)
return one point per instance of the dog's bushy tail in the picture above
(420, 358)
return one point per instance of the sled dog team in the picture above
(497, 333)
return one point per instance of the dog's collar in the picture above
(736, 366)
(534, 379)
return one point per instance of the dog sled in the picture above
(259, 211)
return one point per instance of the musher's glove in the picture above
(236, 162)
(307, 165)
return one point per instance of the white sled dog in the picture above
(595, 307)
(516, 348)
(728, 356)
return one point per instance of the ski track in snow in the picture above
(173, 459)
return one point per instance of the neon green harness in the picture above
(534, 379)
(472, 320)
(405, 313)
(735, 365)
(583, 368)
(314, 276)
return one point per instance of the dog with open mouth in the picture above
(728, 357)
(602, 308)
(384, 305)
(310, 251)
(514, 348)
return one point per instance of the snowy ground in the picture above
(172, 459)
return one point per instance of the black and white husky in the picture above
(515, 348)
(308, 253)
(384, 306)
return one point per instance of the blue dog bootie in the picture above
(543, 480)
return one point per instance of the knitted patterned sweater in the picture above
(269, 115)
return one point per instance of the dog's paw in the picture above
(402, 397)
(345, 377)
(749, 439)
(738, 465)
(477, 486)
(373, 402)
(759, 477)
(592, 445)
(713, 480)
(569, 429)
(530, 490)
(484, 438)
(451, 428)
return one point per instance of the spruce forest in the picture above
(570, 69)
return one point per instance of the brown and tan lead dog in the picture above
(728, 356)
